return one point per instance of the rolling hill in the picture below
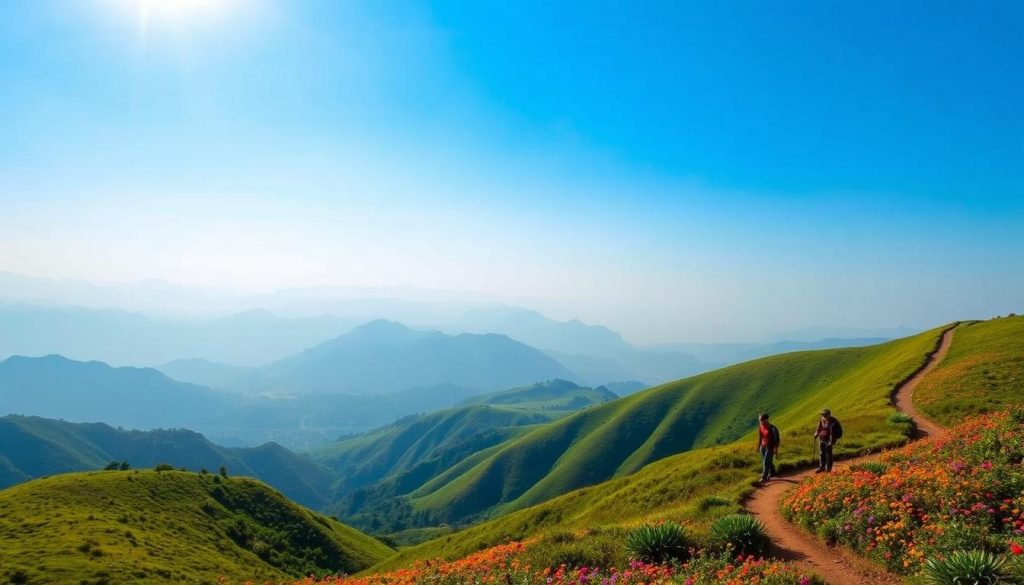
(36, 447)
(702, 484)
(551, 396)
(383, 357)
(619, 438)
(377, 467)
(118, 527)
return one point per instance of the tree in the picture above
(223, 471)
(163, 467)
(112, 466)
(124, 466)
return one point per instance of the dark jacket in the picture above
(825, 428)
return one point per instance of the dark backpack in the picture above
(774, 435)
(837, 429)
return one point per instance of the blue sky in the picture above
(679, 171)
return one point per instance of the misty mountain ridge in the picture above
(119, 337)
(143, 398)
(384, 356)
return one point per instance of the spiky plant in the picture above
(742, 532)
(973, 567)
(660, 543)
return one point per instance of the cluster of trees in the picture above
(160, 467)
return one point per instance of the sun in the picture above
(175, 12)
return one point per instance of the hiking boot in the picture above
(820, 470)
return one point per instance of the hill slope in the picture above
(984, 372)
(703, 484)
(383, 357)
(35, 447)
(620, 437)
(377, 467)
(148, 527)
(551, 396)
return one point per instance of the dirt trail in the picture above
(835, 565)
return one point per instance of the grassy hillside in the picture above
(553, 396)
(700, 485)
(983, 372)
(439, 439)
(34, 447)
(148, 527)
(413, 441)
(378, 467)
(620, 437)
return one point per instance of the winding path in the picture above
(838, 566)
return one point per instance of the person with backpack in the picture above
(828, 433)
(768, 445)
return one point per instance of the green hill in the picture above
(551, 396)
(34, 447)
(620, 437)
(377, 467)
(983, 372)
(699, 485)
(149, 527)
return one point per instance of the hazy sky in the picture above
(678, 171)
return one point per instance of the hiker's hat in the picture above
(764, 416)
(826, 412)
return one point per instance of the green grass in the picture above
(553, 396)
(983, 372)
(619, 438)
(149, 527)
(378, 468)
(699, 485)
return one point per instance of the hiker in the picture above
(768, 446)
(829, 431)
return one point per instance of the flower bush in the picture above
(502, 565)
(964, 491)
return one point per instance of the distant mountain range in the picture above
(384, 357)
(56, 387)
(144, 398)
(122, 338)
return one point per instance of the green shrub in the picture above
(967, 568)
(658, 543)
(19, 576)
(712, 502)
(899, 418)
(596, 548)
(741, 532)
(163, 467)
